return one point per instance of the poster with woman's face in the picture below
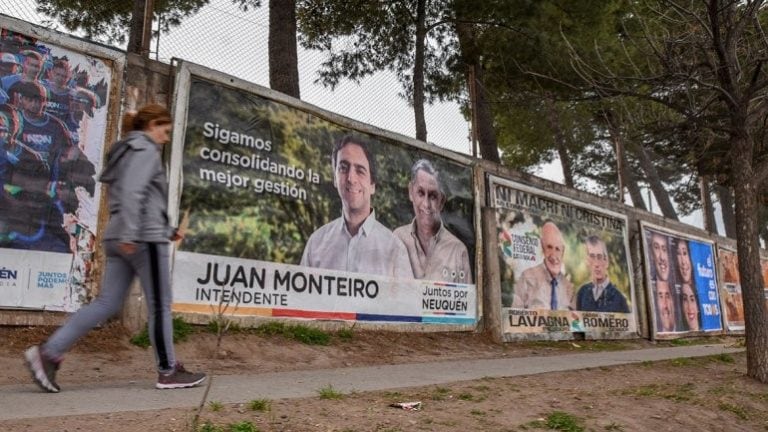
(682, 282)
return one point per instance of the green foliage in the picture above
(362, 37)
(559, 421)
(345, 334)
(210, 427)
(440, 393)
(215, 406)
(678, 393)
(328, 392)
(141, 339)
(109, 21)
(262, 405)
(243, 426)
(309, 335)
(466, 396)
(299, 332)
(740, 411)
(563, 421)
(181, 329)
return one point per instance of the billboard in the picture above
(53, 126)
(730, 288)
(682, 283)
(564, 265)
(290, 214)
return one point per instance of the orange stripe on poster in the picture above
(213, 309)
(296, 313)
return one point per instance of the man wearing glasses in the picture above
(599, 295)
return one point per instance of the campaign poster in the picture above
(730, 288)
(564, 265)
(682, 283)
(53, 126)
(289, 214)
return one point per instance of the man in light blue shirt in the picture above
(356, 242)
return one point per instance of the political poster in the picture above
(682, 283)
(730, 288)
(564, 265)
(290, 214)
(53, 127)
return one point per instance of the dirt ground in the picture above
(709, 394)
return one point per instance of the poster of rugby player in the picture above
(51, 140)
(53, 126)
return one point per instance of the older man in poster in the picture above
(545, 286)
(356, 242)
(435, 253)
(600, 294)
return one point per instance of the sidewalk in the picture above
(27, 401)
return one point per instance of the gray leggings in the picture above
(150, 263)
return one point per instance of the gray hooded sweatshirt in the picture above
(138, 191)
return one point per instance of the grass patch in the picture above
(309, 335)
(210, 427)
(724, 358)
(243, 426)
(466, 396)
(181, 329)
(261, 405)
(678, 393)
(328, 392)
(215, 406)
(739, 411)
(440, 394)
(559, 421)
(682, 361)
(613, 426)
(345, 334)
(215, 325)
(298, 332)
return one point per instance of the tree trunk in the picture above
(418, 71)
(706, 205)
(136, 32)
(553, 118)
(283, 58)
(725, 196)
(486, 134)
(654, 181)
(626, 177)
(755, 312)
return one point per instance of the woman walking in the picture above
(137, 243)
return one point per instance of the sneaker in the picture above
(179, 378)
(43, 369)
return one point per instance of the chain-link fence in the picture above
(223, 37)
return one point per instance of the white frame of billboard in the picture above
(186, 70)
(649, 292)
(720, 276)
(118, 61)
(574, 202)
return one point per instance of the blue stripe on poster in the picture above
(387, 318)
